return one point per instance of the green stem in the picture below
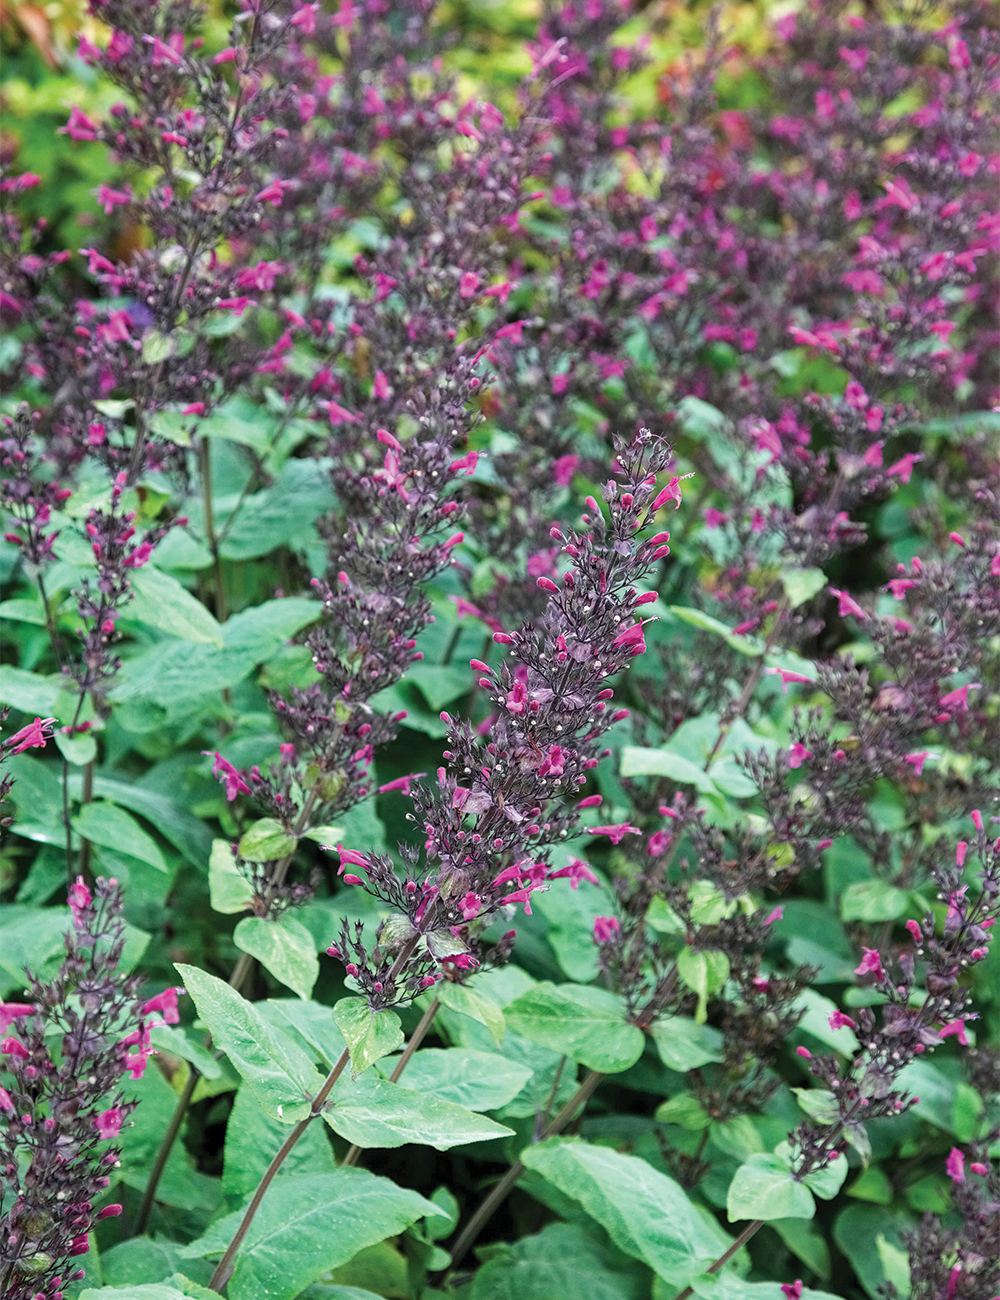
(417, 1038)
(241, 972)
(499, 1193)
(225, 1266)
(749, 1231)
(205, 468)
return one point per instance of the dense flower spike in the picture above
(65, 1095)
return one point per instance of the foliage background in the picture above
(154, 769)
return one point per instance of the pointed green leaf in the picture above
(375, 1113)
(228, 888)
(586, 1024)
(266, 840)
(160, 601)
(282, 1077)
(645, 1213)
(107, 824)
(284, 947)
(369, 1034)
(308, 1224)
(477, 1080)
(478, 1006)
(683, 1044)
(763, 1188)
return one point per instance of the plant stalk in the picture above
(225, 1267)
(237, 979)
(749, 1231)
(499, 1193)
(416, 1039)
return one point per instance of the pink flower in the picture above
(793, 1290)
(5, 1101)
(271, 193)
(14, 1047)
(855, 60)
(79, 126)
(774, 915)
(233, 781)
(563, 469)
(871, 964)
(903, 467)
(846, 603)
(956, 1028)
(658, 843)
(575, 871)
(804, 1052)
(787, 677)
(916, 934)
(837, 1020)
(959, 697)
(468, 284)
(797, 755)
(109, 1122)
(380, 388)
(166, 1003)
(917, 761)
(110, 199)
(560, 383)
(11, 1011)
(672, 492)
(305, 19)
(401, 783)
(954, 1166)
(614, 833)
(79, 898)
(855, 396)
(632, 639)
(605, 928)
(33, 736)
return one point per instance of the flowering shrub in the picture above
(352, 445)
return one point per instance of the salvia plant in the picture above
(503, 632)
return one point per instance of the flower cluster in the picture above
(65, 1055)
(500, 802)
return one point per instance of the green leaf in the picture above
(683, 1044)
(729, 1287)
(856, 1232)
(161, 602)
(375, 1113)
(706, 623)
(459, 997)
(181, 1185)
(369, 1034)
(586, 1024)
(266, 840)
(134, 1291)
(685, 1110)
(282, 1077)
(314, 1022)
(186, 833)
(804, 1239)
(873, 900)
(252, 1138)
(107, 824)
(174, 1039)
(284, 947)
(817, 1011)
(29, 692)
(763, 1188)
(662, 762)
(157, 347)
(228, 889)
(819, 1104)
(281, 513)
(562, 1262)
(476, 1080)
(645, 1213)
(827, 1182)
(802, 584)
(703, 972)
(308, 1224)
(324, 834)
